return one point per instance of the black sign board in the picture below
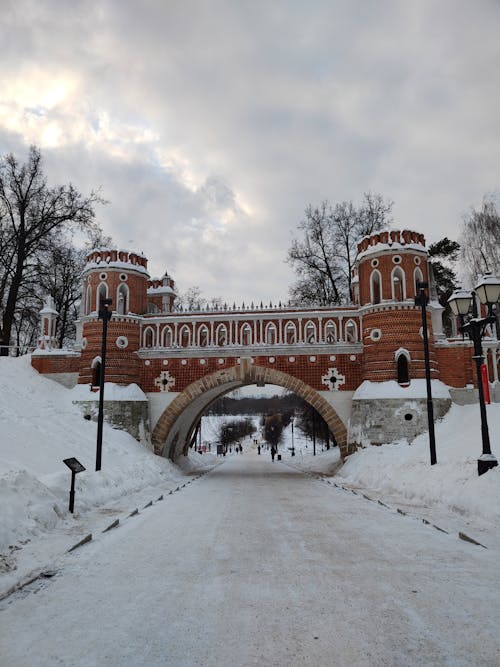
(74, 465)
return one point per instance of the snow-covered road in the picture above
(260, 564)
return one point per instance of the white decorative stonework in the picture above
(375, 335)
(147, 362)
(291, 359)
(183, 362)
(333, 379)
(103, 276)
(333, 357)
(84, 343)
(165, 362)
(165, 381)
(202, 362)
(272, 360)
(122, 342)
(352, 357)
(402, 351)
(312, 358)
(221, 361)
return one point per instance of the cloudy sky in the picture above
(210, 125)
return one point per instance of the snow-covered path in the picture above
(259, 564)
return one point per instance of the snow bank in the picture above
(40, 428)
(112, 392)
(391, 389)
(453, 483)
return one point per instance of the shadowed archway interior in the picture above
(174, 429)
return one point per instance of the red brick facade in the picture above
(364, 341)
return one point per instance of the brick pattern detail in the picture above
(56, 363)
(189, 369)
(122, 365)
(456, 365)
(400, 329)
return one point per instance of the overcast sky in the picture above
(210, 125)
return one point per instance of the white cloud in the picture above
(211, 126)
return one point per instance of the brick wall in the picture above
(456, 366)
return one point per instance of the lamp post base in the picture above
(485, 462)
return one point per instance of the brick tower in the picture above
(122, 277)
(389, 265)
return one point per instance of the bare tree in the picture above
(59, 274)
(192, 299)
(480, 240)
(324, 258)
(31, 213)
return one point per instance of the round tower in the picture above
(161, 294)
(388, 267)
(121, 276)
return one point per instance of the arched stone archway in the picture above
(174, 428)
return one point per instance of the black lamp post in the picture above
(421, 300)
(461, 303)
(105, 316)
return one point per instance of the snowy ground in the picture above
(41, 427)
(257, 563)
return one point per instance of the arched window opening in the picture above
(122, 300)
(148, 337)
(88, 300)
(290, 334)
(167, 337)
(376, 287)
(271, 334)
(203, 337)
(355, 293)
(246, 335)
(417, 278)
(96, 372)
(102, 293)
(331, 332)
(398, 285)
(221, 335)
(310, 332)
(351, 332)
(403, 371)
(185, 337)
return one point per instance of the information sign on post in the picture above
(75, 466)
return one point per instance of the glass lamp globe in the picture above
(488, 289)
(460, 301)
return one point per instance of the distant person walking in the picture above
(258, 450)
(273, 452)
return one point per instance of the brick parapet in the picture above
(456, 365)
(186, 370)
(57, 362)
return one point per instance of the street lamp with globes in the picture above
(104, 315)
(462, 304)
